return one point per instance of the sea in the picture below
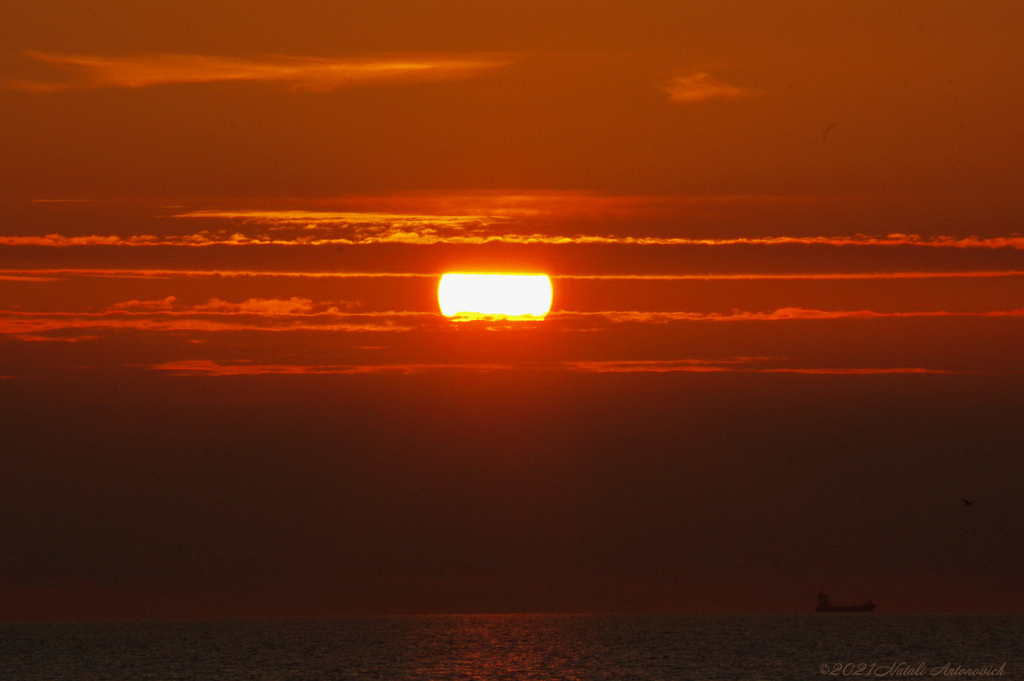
(513, 647)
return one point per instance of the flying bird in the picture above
(968, 503)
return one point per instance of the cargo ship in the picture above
(824, 605)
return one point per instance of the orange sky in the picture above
(787, 256)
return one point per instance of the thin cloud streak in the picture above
(255, 314)
(810, 276)
(211, 368)
(57, 274)
(52, 339)
(454, 230)
(25, 277)
(704, 366)
(272, 307)
(861, 371)
(306, 218)
(781, 314)
(307, 73)
(658, 365)
(531, 204)
(300, 314)
(24, 327)
(736, 365)
(470, 229)
(528, 205)
(358, 227)
(701, 87)
(46, 275)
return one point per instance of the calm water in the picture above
(578, 647)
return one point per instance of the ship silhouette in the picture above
(824, 605)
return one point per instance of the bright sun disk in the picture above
(495, 295)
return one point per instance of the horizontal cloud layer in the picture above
(205, 367)
(785, 313)
(310, 73)
(381, 233)
(254, 314)
(49, 275)
(242, 368)
(738, 364)
(300, 314)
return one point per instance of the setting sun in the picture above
(280, 343)
(504, 295)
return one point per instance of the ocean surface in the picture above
(576, 647)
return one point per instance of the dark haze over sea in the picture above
(578, 647)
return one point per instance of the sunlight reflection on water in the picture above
(484, 647)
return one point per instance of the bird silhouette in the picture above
(827, 130)
(968, 503)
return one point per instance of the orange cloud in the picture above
(547, 203)
(301, 314)
(983, 274)
(309, 218)
(51, 339)
(736, 365)
(210, 368)
(255, 314)
(202, 367)
(655, 365)
(300, 226)
(267, 306)
(785, 313)
(496, 217)
(701, 87)
(257, 306)
(861, 371)
(57, 274)
(167, 303)
(309, 73)
(457, 231)
(25, 277)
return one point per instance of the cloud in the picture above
(734, 365)
(254, 314)
(58, 274)
(265, 306)
(25, 277)
(556, 203)
(257, 306)
(781, 314)
(308, 73)
(701, 87)
(495, 217)
(656, 365)
(301, 314)
(46, 275)
(167, 303)
(813, 276)
(461, 230)
(861, 371)
(311, 227)
(204, 367)
(51, 339)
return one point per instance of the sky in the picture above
(786, 250)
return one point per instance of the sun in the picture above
(509, 296)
